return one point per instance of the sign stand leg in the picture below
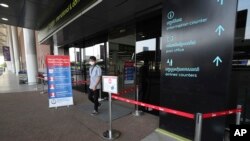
(111, 133)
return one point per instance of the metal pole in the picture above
(198, 127)
(238, 115)
(37, 81)
(111, 133)
(110, 116)
(42, 84)
(137, 112)
(137, 96)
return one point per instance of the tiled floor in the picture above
(25, 116)
(9, 83)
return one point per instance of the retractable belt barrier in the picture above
(42, 78)
(172, 111)
(125, 91)
(198, 117)
(163, 109)
(222, 113)
(79, 82)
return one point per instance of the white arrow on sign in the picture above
(221, 2)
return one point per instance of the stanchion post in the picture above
(110, 116)
(137, 112)
(111, 133)
(238, 115)
(37, 81)
(198, 127)
(38, 78)
(43, 86)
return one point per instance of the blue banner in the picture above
(129, 71)
(6, 53)
(59, 81)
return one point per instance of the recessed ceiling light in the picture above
(4, 19)
(4, 5)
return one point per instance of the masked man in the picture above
(95, 73)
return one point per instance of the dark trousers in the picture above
(93, 97)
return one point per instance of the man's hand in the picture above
(94, 88)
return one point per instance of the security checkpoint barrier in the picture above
(198, 117)
(43, 81)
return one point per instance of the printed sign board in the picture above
(59, 81)
(110, 84)
(197, 51)
(129, 71)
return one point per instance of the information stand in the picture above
(110, 85)
(59, 81)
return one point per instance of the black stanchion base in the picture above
(114, 134)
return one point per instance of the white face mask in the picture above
(91, 63)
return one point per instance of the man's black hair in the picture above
(92, 58)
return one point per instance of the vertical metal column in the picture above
(103, 53)
(105, 59)
(136, 79)
(75, 63)
(81, 67)
(198, 127)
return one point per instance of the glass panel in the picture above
(121, 51)
(148, 57)
(75, 60)
(94, 50)
(240, 82)
(145, 52)
(79, 58)
(146, 45)
(245, 5)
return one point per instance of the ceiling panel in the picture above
(105, 16)
(32, 14)
(35, 14)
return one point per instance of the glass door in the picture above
(121, 58)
